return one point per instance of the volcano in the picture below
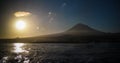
(82, 29)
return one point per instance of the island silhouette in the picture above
(80, 33)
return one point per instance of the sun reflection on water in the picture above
(18, 48)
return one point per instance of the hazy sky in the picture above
(49, 16)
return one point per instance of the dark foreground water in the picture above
(60, 53)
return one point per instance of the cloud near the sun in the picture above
(22, 14)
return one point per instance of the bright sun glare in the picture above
(20, 24)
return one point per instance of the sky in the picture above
(54, 16)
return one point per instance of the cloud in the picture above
(22, 14)
(49, 14)
(64, 4)
(51, 19)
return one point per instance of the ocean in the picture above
(60, 52)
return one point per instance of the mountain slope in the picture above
(81, 29)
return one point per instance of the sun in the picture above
(20, 25)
